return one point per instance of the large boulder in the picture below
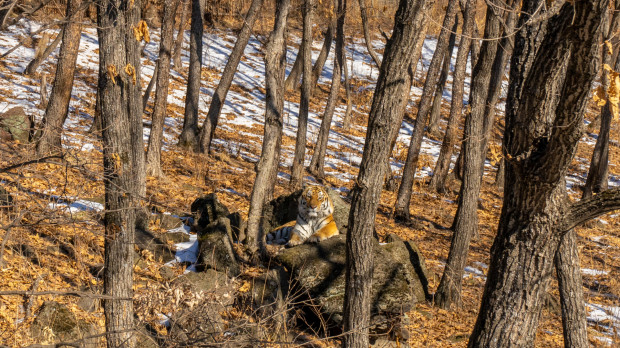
(17, 123)
(56, 322)
(216, 249)
(318, 270)
(284, 209)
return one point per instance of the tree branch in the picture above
(590, 208)
(63, 293)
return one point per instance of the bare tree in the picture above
(121, 116)
(306, 91)
(42, 54)
(367, 37)
(178, 43)
(153, 152)
(58, 105)
(189, 134)
(384, 120)
(219, 96)
(405, 189)
(541, 137)
(267, 166)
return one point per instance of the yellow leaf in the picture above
(599, 96)
(245, 287)
(112, 73)
(131, 71)
(610, 50)
(141, 32)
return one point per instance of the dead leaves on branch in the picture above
(612, 95)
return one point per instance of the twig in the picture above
(29, 299)
(63, 293)
(38, 160)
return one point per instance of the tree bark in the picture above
(150, 86)
(317, 163)
(219, 96)
(433, 122)
(58, 105)
(178, 44)
(121, 115)
(304, 103)
(438, 181)
(540, 142)
(405, 189)
(153, 152)
(267, 166)
(384, 120)
(367, 37)
(34, 64)
(189, 134)
(574, 313)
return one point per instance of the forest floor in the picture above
(59, 241)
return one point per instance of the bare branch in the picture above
(67, 292)
(590, 208)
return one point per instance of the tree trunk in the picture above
(34, 64)
(317, 163)
(367, 37)
(384, 120)
(433, 122)
(540, 142)
(189, 135)
(599, 171)
(574, 313)
(178, 44)
(403, 198)
(219, 96)
(304, 104)
(267, 166)
(346, 119)
(121, 115)
(58, 105)
(150, 86)
(153, 153)
(438, 181)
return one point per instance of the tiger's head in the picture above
(314, 202)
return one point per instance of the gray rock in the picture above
(147, 240)
(168, 222)
(17, 123)
(63, 324)
(206, 210)
(175, 237)
(319, 270)
(216, 250)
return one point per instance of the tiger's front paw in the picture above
(316, 239)
(295, 240)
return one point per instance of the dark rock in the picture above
(63, 324)
(238, 226)
(17, 123)
(284, 209)
(319, 271)
(408, 251)
(216, 250)
(147, 240)
(206, 210)
(268, 293)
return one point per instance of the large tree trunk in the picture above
(267, 166)
(433, 122)
(438, 181)
(304, 103)
(384, 120)
(219, 96)
(404, 191)
(466, 219)
(58, 105)
(178, 43)
(317, 163)
(189, 135)
(121, 115)
(153, 152)
(540, 142)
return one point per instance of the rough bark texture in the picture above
(574, 313)
(178, 43)
(219, 96)
(189, 135)
(405, 189)
(58, 105)
(317, 163)
(367, 37)
(267, 166)
(540, 142)
(438, 181)
(304, 103)
(384, 120)
(153, 152)
(121, 115)
(435, 116)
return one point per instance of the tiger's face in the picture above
(314, 202)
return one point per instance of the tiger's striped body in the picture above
(314, 223)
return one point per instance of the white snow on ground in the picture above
(593, 272)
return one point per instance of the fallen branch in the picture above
(63, 293)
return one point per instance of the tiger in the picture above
(314, 223)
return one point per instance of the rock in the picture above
(168, 222)
(175, 237)
(284, 209)
(17, 123)
(206, 210)
(215, 248)
(238, 227)
(268, 293)
(408, 251)
(146, 240)
(209, 281)
(63, 325)
(167, 273)
(319, 271)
